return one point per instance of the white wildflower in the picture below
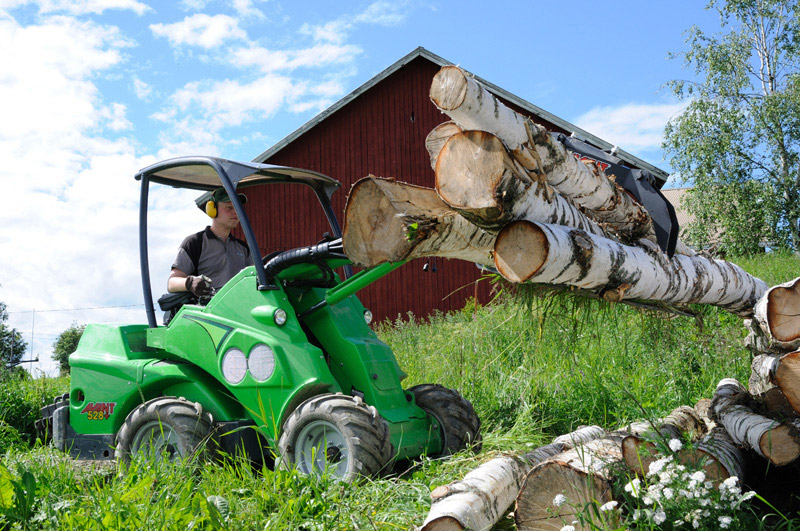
(732, 481)
(725, 521)
(675, 445)
(668, 493)
(633, 487)
(647, 499)
(568, 528)
(747, 495)
(699, 476)
(610, 506)
(696, 523)
(659, 517)
(559, 500)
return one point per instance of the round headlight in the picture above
(261, 362)
(280, 317)
(368, 316)
(234, 365)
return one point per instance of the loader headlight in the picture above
(261, 362)
(368, 316)
(234, 366)
(279, 316)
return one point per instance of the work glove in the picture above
(199, 286)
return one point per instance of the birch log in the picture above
(719, 455)
(780, 443)
(775, 381)
(778, 314)
(485, 494)
(477, 177)
(437, 137)
(582, 474)
(389, 221)
(471, 106)
(639, 450)
(552, 254)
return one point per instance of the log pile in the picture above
(509, 196)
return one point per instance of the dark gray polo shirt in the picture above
(205, 254)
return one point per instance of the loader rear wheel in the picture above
(459, 426)
(170, 427)
(337, 432)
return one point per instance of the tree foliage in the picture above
(12, 346)
(738, 140)
(66, 344)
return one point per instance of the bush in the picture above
(9, 438)
(23, 399)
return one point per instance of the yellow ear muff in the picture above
(211, 209)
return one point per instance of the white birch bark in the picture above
(486, 493)
(389, 221)
(553, 254)
(471, 106)
(768, 438)
(582, 475)
(778, 315)
(477, 177)
(719, 455)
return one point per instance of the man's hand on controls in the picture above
(199, 286)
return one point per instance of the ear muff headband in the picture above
(211, 209)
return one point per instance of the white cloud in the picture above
(70, 235)
(633, 126)
(274, 60)
(245, 9)
(79, 7)
(142, 89)
(379, 13)
(200, 30)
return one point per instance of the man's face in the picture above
(226, 215)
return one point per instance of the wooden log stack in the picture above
(509, 196)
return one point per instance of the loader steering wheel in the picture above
(315, 255)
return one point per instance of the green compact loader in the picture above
(280, 361)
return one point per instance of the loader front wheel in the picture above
(339, 433)
(169, 427)
(459, 426)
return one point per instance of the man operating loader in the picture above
(210, 258)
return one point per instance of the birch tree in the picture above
(738, 141)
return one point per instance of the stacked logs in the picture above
(737, 430)
(510, 196)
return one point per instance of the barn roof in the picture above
(494, 89)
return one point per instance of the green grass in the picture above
(533, 367)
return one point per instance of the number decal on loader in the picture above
(99, 410)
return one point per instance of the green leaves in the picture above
(738, 141)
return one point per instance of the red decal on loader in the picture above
(99, 410)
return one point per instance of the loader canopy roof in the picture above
(199, 173)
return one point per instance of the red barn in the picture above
(380, 129)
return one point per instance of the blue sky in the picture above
(93, 90)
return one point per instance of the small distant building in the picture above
(675, 197)
(380, 129)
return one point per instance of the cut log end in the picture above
(520, 250)
(449, 88)
(783, 309)
(535, 509)
(445, 523)
(469, 170)
(370, 219)
(437, 138)
(787, 377)
(780, 445)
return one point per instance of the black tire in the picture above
(165, 424)
(355, 436)
(459, 426)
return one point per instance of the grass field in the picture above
(534, 367)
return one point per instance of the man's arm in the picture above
(177, 281)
